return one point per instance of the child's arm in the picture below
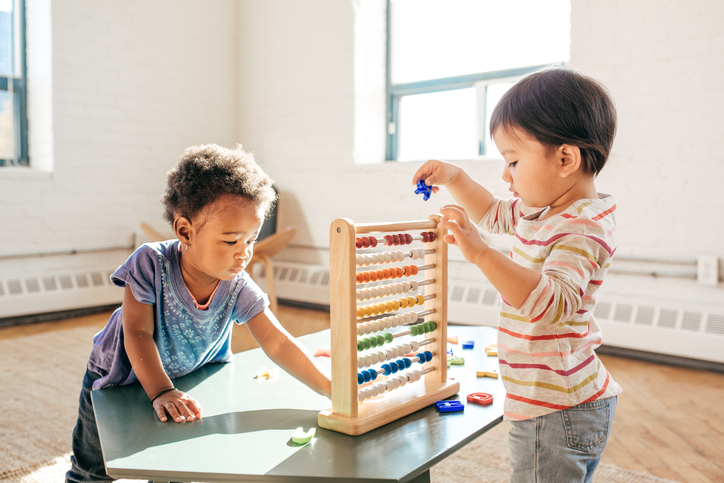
(466, 191)
(513, 281)
(291, 356)
(138, 327)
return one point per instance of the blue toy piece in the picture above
(468, 344)
(424, 189)
(449, 406)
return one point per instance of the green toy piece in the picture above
(300, 437)
(457, 360)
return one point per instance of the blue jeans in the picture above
(561, 447)
(87, 460)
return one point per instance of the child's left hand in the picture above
(462, 232)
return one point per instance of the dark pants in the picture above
(87, 459)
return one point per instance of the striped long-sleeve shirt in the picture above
(546, 348)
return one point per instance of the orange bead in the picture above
(360, 277)
(404, 303)
(408, 270)
(385, 273)
(366, 276)
(414, 269)
(373, 275)
(400, 272)
(380, 274)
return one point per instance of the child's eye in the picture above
(512, 165)
(230, 242)
(251, 242)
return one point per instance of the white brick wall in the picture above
(135, 82)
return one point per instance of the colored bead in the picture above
(433, 236)
(388, 240)
(408, 362)
(420, 299)
(414, 330)
(380, 339)
(387, 368)
(415, 269)
(358, 242)
(360, 345)
(428, 356)
(360, 378)
(388, 337)
(373, 241)
(395, 305)
(425, 237)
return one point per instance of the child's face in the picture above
(530, 169)
(222, 246)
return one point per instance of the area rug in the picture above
(40, 379)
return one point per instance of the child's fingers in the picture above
(426, 172)
(170, 408)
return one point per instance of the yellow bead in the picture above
(389, 306)
(368, 310)
(360, 312)
(420, 300)
(411, 301)
(404, 303)
(395, 305)
(375, 309)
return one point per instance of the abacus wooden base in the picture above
(389, 407)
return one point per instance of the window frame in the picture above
(18, 86)
(479, 81)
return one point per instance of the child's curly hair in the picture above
(208, 171)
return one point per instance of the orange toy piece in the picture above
(323, 353)
(491, 350)
(491, 373)
(453, 339)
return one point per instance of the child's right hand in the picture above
(179, 405)
(436, 173)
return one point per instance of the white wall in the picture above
(301, 112)
(299, 83)
(123, 88)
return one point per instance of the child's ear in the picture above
(569, 159)
(182, 228)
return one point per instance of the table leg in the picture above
(423, 477)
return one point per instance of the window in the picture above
(449, 63)
(13, 120)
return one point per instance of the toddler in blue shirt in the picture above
(183, 295)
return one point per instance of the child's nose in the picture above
(506, 174)
(246, 253)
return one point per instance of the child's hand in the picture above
(435, 173)
(463, 232)
(179, 405)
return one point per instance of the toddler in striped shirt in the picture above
(554, 130)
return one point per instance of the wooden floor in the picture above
(669, 422)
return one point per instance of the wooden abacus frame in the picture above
(347, 415)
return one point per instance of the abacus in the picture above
(368, 372)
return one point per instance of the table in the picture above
(245, 433)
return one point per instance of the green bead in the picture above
(388, 337)
(367, 342)
(380, 339)
(413, 329)
(433, 325)
(360, 345)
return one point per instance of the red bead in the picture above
(365, 242)
(395, 240)
(373, 241)
(425, 237)
(408, 238)
(388, 240)
(358, 242)
(433, 236)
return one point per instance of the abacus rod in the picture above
(399, 226)
(426, 312)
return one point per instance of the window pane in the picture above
(493, 93)
(437, 125)
(7, 126)
(432, 39)
(6, 37)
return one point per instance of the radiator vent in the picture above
(45, 293)
(648, 325)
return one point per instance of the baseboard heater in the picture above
(648, 326)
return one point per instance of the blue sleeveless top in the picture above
(186, 336)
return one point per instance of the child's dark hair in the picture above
(561, 106)
(208, 171)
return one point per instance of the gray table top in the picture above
(245, 433)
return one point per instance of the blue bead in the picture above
(360, 378)
(421, 357)
(387, 369)
(373, 374)
(408, 362)
(394, 367)
(428, 356)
